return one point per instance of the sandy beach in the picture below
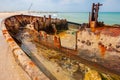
(9, 69)
(7, 14)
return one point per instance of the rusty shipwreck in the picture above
(65, 50)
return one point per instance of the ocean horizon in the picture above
(110, 18)
(83, 17)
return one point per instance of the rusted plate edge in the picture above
(25, 62)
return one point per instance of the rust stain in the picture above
(102, 49)
(93, 29)
(4, 32)
(57, 42)
(9, 40)
(31, 64)
(109, 31)
(36, 78)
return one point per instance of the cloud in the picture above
(58, 5)
(71, 1)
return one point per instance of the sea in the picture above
(110, 18)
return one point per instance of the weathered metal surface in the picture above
(22, 58)
(88, 44)
(93, 18)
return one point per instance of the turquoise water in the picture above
(75, 17)
(110, 17)
(83, 17)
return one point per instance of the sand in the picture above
(9, 69)
(7, 14)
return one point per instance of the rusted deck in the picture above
(73, 54)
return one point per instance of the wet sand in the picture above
(9, 69)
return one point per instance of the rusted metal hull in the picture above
(45, 34)
(22, 59)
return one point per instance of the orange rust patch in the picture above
(4, 31)
(100, 28)
(31, 63)
(36, 78)
(110, 31)
(93, 29)
(9, 40)
(102, 49)
(57, 41)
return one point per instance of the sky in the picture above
(59, 5)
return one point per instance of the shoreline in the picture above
(77, 17)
